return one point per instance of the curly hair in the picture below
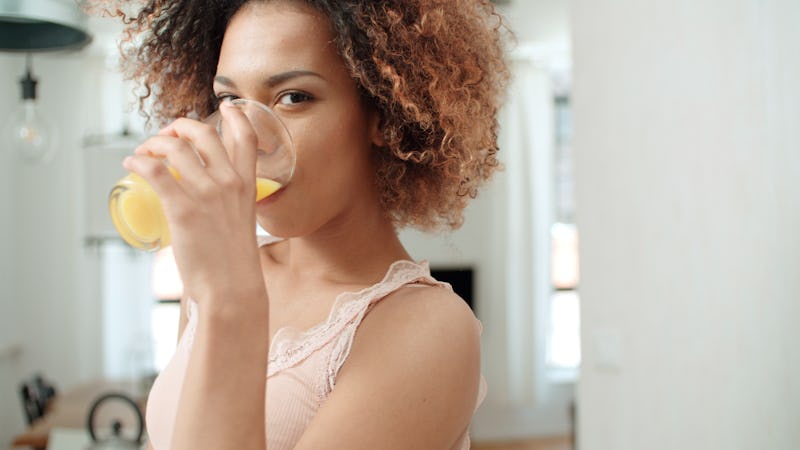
(434, 69)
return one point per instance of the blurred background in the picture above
(636, 266)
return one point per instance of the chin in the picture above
(277, 227)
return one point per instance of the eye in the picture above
(225, 98)
(293, 98)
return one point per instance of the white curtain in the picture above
(527, 148)
(522, 401)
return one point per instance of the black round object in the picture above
(117, 425)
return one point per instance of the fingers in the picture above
(179, 154)
(183, 167)
(204, 141)
(200, 161)
(236, 150)
(154, 171)
(240, 140)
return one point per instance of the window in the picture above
(563, 344)
(167, 289)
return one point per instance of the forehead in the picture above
(273, 36)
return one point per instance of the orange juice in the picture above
(138, 215)
(266, 187)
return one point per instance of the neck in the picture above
(351, 249)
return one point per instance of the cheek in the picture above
(333, 170)
(337, 146)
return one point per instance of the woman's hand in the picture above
(210, 206)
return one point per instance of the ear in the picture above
(375, 123)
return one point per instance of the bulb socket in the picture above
(28, 87)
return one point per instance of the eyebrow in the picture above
(273, 80)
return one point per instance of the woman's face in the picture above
(281, 53)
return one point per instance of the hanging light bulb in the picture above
(37, 26)
(27, 131)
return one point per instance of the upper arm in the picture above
(410, 381)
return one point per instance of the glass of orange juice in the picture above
(136, 210)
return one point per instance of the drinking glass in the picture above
(136, 210)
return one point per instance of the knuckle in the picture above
(194, 129)
(181, 122)
(175, 147)
(152, 169)
(207, 189)
(207, 131)
(181, 214)
(230, 181)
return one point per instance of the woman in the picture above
(392, 108)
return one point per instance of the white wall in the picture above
(687, 137)
(50, 304)
(42, 307)
(9, 303)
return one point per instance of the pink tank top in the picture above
(302, 365)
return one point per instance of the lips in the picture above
(272, 197)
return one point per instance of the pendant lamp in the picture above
(42, 25)
(34, 26)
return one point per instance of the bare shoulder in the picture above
(431, 323)
(411, 378)
(432, 312)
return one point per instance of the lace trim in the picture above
(290, 346)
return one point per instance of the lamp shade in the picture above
(42, 25)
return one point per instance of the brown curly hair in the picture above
(434, 69)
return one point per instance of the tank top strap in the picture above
(291, 346)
